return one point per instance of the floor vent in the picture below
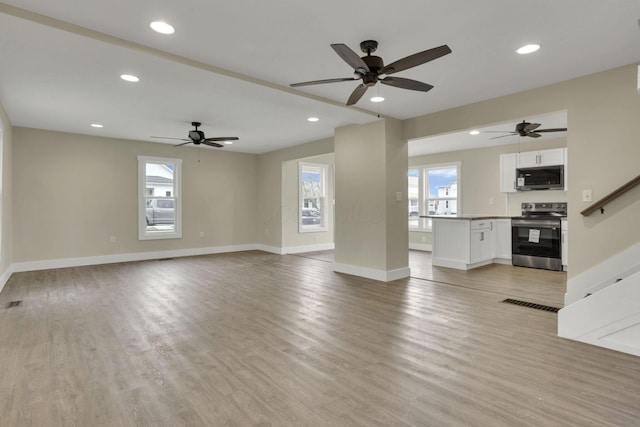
(13, 304)
(165, 259)
(532, 305)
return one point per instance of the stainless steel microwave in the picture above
(540, 178)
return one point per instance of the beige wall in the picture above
(603, 111)
(291, 236)
(7, 194)
(74, 191)
(269, 186)
(371, 166)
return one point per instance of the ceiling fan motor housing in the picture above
(375, 64)
(196, 135)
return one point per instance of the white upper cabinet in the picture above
(530, 159)
(508, 173)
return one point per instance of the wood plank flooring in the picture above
(257, 339)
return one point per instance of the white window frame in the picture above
(425, 224)
(322, 169)
(143, 233)
(1, 185)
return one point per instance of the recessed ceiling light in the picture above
(530, 48)
(129, 78)
(377, 99)
(313, 119)
(96, 125)
(162, 27)
(474, 132)
(228, 142)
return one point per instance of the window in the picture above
(433, 191)
(313, 209)
(160, 204)
(1, 192)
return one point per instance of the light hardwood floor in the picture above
(254, 338)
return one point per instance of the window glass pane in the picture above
(312, 197)
(432, 191)
(442, 182)
(414, 197)
(159, 193)
(159, 185)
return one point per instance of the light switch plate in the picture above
(586, 195)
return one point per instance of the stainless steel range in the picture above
(536, 236)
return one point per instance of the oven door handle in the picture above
(534, 224)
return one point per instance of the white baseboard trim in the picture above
(421, 247)
(6, 276)
(619, 266)
(271, 249)
(308, 248)
(370, 273)
(128, 257)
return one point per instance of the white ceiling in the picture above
(230, 64)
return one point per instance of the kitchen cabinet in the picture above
(482, 241)
(551, 157)
(508, 173)
(503, 241)
(564, 243)
(463, 243)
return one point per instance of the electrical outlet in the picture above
(492, 201)
(586, 195)
(112, 239)
(202, 234)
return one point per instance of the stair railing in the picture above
(611, 196)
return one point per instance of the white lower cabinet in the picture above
(482, 241)
(463, 243)
(503, 241)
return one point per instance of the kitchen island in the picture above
(469, 241)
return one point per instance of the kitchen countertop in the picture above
(467, 217)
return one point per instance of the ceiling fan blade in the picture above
(350, 57)
(552, 130)
(211, 144)
(357, 94)
(530, 127)
(221, 138)
(406, 84)
(502, 136)
(165, 137)
(500, 131)
(534, 135)
(318, 82)
(184, 143)
(416, 59)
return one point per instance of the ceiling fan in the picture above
(197, 137)
(371, 69)
(526, 129)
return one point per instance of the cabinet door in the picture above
(551, 157)
(503, 239)
(508, 173)
(528, 159)
(482, 246)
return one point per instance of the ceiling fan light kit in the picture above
(370, 69)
